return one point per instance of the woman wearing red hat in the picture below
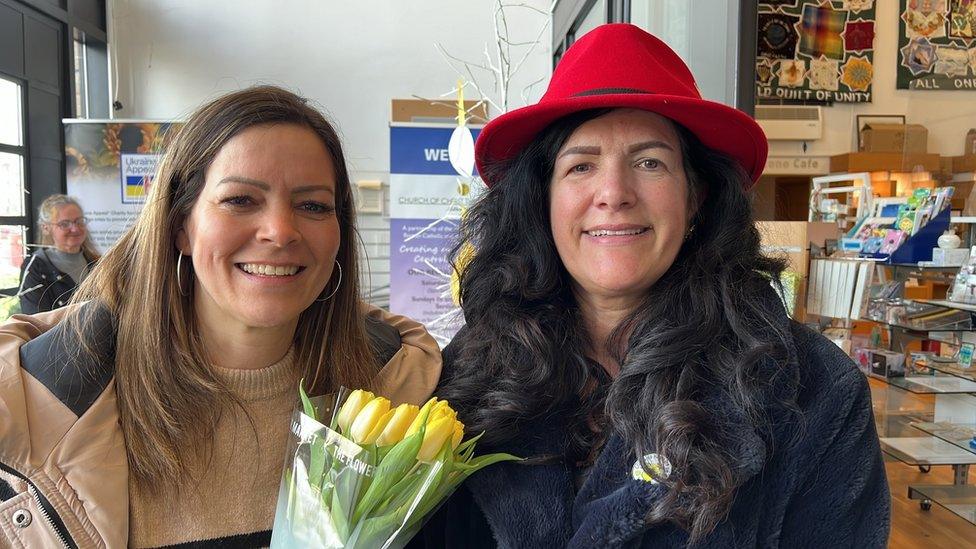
(623, 335)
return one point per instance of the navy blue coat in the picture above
(827, 490)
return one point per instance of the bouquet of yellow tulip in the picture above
(373, 474)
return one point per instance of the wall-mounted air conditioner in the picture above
(792, 123)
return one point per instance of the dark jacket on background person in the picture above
(827, 489)
(43, 287)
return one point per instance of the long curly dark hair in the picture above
(707, 323)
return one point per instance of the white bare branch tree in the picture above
(499, 64)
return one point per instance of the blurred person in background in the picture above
(64, 258)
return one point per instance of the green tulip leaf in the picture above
(390, 471)
(434, 493)
(481, 462)
(370, 456)
(339, 518)
(306, 402)
(468, 445)
(404, 491)
(375, 531)
(317, 459)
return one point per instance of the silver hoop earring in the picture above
(326, 298)
(179, 279)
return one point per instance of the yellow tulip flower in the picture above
(441, 413)
(354, 403)
(419, 420)
(437, 433)
(396, 427)
(458, 434)
(442, 407)
(368, 421)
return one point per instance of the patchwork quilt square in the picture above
(820, 32)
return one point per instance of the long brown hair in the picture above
(47, 213)
(169, 400)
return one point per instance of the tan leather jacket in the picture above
(63, 467)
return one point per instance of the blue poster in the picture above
(431, 184)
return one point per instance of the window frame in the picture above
(22, 151)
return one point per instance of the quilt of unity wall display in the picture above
(937, 45)
(815, 50)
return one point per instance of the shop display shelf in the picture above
(898, 425)
(948, 304)
(933, 385)
(950, 268)
(957, 434)
(923, 326)
(925, 450)
(951, 369)
(923, 316)
(957, 499)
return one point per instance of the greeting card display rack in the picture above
(947, 431)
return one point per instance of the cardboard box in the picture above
(884, 188)
(912, 138)
(878, 162)
(945, 165)
(963, 193)
(968, 206)
(963, 164)
(963, 188)
(419, 110)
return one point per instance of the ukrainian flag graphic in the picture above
(137, 186)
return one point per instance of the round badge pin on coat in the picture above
(657, 464)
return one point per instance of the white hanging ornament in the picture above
(460, 150)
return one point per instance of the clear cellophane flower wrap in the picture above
(360, 473)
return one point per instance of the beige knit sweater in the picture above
(238, 490)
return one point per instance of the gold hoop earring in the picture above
(326, 298)
(179, 279)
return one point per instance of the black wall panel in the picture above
(46, 177)
(62, 4)
(89, 11)
(11, 41)
(43, 46)
(44, 124)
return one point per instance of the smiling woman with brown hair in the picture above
(157, 413)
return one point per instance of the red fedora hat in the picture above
(620, 65)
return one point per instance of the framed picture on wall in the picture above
(937, 45)
(814, 50)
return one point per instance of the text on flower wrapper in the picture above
(347, 453)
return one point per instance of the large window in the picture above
(13, 210)
(89, 76)
(573, 18)
(715, 37)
